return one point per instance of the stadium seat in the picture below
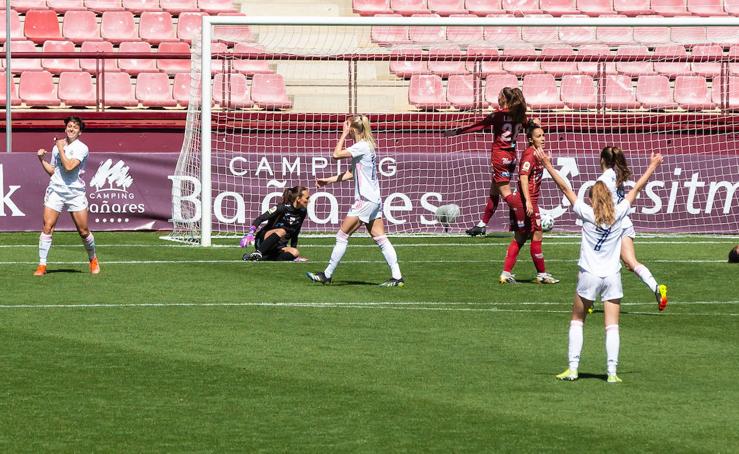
(14, 99)
(579, 92)
(156, 27)
(58, 65)
(181, 89)
(446, 68)
(24, 64)
(485, 67)
(731, 7)
(592, 68)
(669, 7)
(24, 5)
(541, 92)
(521, 67)
(232, 93)
(268, 92)
(691, 93)
(688, 35)
(652, 35)
(496, 82)
(724, 36)
(16, 30)
(461, 92)
(76, 89)
(615, 36)
(371, 7)
(409, 7)
(80, 26)
(118, 26)
(558, 7)
(503, 36)
(726, 97)
(153, 90)
(483, 7)
(173, 66)
(250, 67)
(653, 92)
(139, 6)
(577, 35)
(596, 7)
(558, 68)
(426, 92)
(40, 25)
(91, 64)
(134, 66)
(521, 6)
(634, 68)
(190, 25)
(37, 88)
(671, 68)
(103, 5)
(706, 7)
(62, 6)
(401, 66)
(389, 35)
(464, 35)
(217, 6)
(429, 35)
(734, 67)
(620, 93)
(219, 64)
(233, 33)
(707, 50)
(118, 91)
(540, 35)
(446, 7)
(177, 7)
(632, 7)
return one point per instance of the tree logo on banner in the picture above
(111, 202)
(115, 176)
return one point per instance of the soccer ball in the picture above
(547, 222)
(447, 214)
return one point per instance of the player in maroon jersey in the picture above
(507, 123)
(530, 172)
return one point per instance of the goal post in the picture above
(281, 86)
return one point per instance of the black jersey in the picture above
(283, 216)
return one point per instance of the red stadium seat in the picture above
(725, 36)
(620, 93)
(16, 30)
(37, 88)
(592, 68)
(503, 36)
(219, 64)
(615, 36)
(231, 93)
(268, 92)
(134, 66)
(91, 65)
(176, 7)
(41, 25)
(521, 67)
(688, 35)
(577, 35)
(496, 82)
(80, 26)
(172, 66)
(217, 6)
(558, 68)
(250, 67)
(371, 7)
(389, 35)
(726, 97)
(595, 7)
(540, 35)
(558, 7)
(14, 99)
(58, 65)
(652, 35)
(409, 7)
(541, 92)
(190, 26)
(103, 5)
(24, 64)
(430, 35)
(671, 68)
(139, 6)
(156, 27)
(446, 7)
(634, 68)
(181, 89)
(691, 93)
(461, 92)
(579, 92)
(707, 50)
(485, 67)
(118, 91)
(62, 6)
(464, 34)
(118, 26)
(426, 92)
(653, 92)
(402, 67)
(732, 7)
(233, 33)
(24, 5)
(76, 89)
(632, 7)
(446, 68)
(734, 67)
(483, 7)
(706, 7)
(521, 6)
(669, 7)
(153, 90)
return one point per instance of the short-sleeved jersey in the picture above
(618, 192)
(600, 247)
(63, 180)
(531, 167)
(283, 216)
(505, 131)
(364, 169)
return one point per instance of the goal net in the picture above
(280, 90)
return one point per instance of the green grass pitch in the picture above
(183, 349)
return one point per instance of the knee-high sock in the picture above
(269, 243)
(89, 242)
(44, 244)
(514, 201)
(646, 276)
(613, 343)
(342, 240)
(390, 256)
(575, 344)
(511, 255)
(490, 207)
(537, 256)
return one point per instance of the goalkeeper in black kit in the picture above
(284, 222)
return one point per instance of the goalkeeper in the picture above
(283, 224)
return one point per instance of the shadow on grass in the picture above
(340, 283)
(586, 375)
(62, 270)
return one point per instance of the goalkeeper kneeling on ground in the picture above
(283, 223)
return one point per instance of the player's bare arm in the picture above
(525, 189)
(345, 176)
(48, 168)
(654, 162)
(67, 163)
(546, 159)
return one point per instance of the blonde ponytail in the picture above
(361, 124)
(603, 209)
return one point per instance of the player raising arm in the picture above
(599, 263)
(367, 208)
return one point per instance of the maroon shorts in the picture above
(504, 166)
(533, 222)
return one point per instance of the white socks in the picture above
(44, 244)
(89, 242)
(342, 240)
(646, 276)
(613, 342)
(390, 256)
(575, 344)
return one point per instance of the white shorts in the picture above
(366, 211)
(590, 286)
(72, 201)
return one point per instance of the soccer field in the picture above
(176, 348)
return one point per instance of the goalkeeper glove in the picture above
(248, 239)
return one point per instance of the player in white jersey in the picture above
(66, 190)
(615, 173)
(367, 207)
(599, 263)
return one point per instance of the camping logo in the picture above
(112, 201)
